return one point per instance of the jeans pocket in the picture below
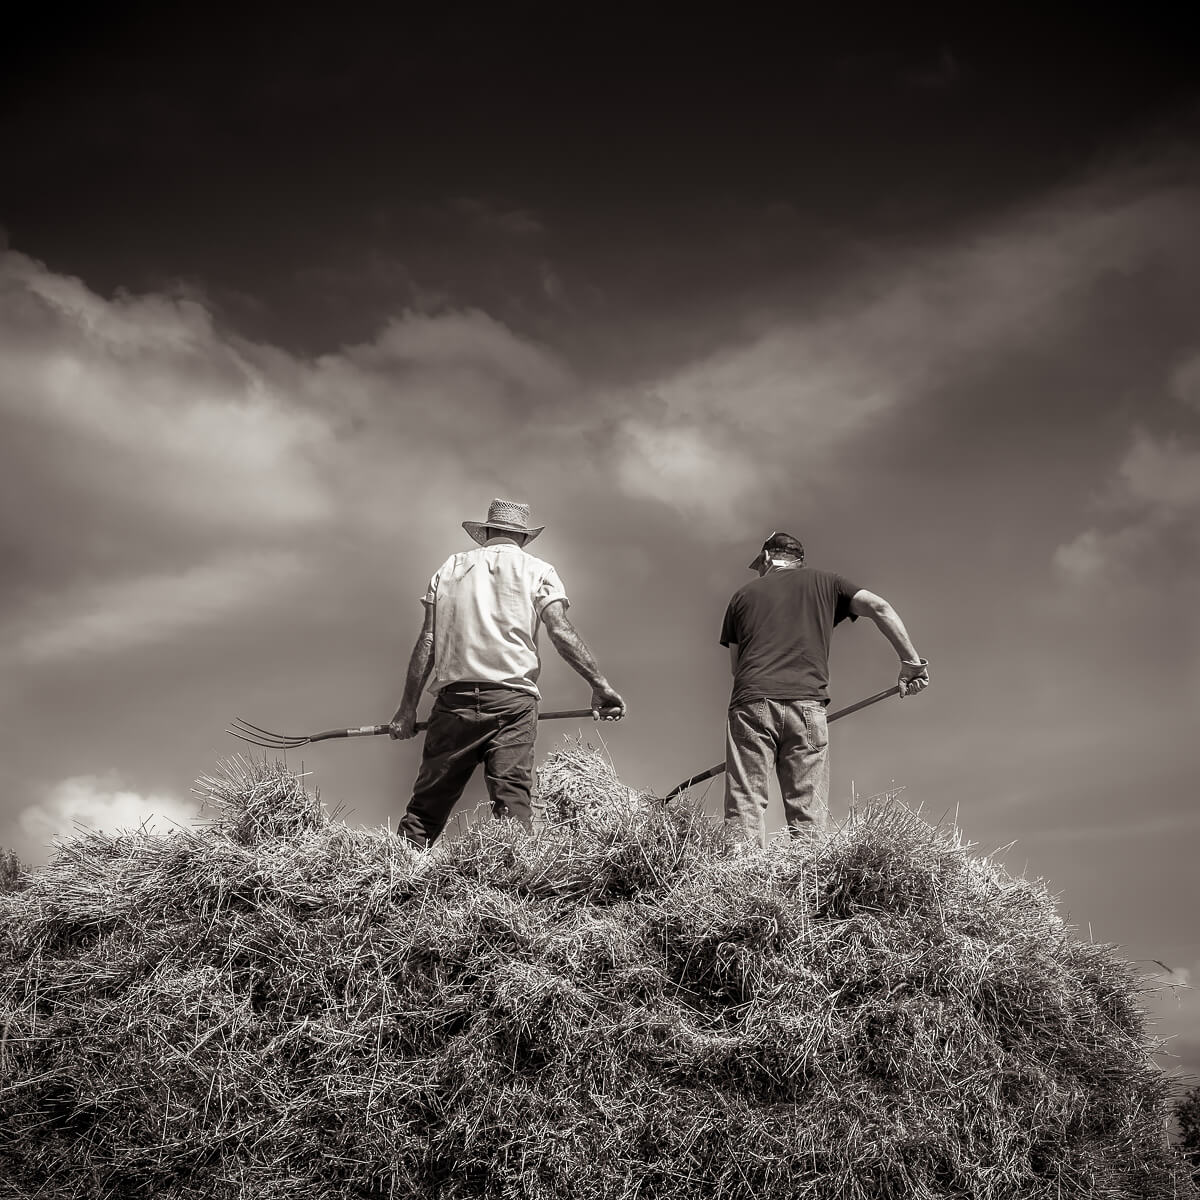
(816, 726)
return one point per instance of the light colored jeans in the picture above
(791, 738)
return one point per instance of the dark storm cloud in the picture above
(941, 75)
(489, 216)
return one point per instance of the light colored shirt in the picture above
(488, 607)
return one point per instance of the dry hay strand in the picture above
(275, 1005)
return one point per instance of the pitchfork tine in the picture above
(264, 737)
(246, 736)
(257, 741)
(253, 741)
(267, 733)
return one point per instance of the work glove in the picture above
(913, 676)
(607, 705)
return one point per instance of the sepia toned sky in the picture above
(283, 302)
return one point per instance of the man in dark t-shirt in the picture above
(778, 629)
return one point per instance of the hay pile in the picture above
(280, 1006)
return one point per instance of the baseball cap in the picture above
(779, 541)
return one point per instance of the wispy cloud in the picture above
(486, 213)
(1185, 382)
(134, 433)
(1150, 504)
(142, 396)
(116, 616)
(103, 803)
(780, 402)
(746, 420)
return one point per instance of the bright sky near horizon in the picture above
(277, 316)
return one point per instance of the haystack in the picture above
(276, 1005)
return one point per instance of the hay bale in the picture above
(277, 1006)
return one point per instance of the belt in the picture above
(474, 686)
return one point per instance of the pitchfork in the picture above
(281, 741)
(712, 772)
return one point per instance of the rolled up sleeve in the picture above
(549, 589)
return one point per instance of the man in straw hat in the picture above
(479, 641)
(778, 628)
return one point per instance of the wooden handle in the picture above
(853, 708)
(833, 716)
(421, 726)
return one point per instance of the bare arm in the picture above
(420, 663)
(606, 702)
(914, 670)
(733, 657)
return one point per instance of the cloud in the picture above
(116, 616)
(1160, 473)
(1092, 552)
(684, 466)
(779, 404)
(143, 414)
(711, 439)
(1152, 505)
(100, 802)
(465, 341)
(552, 285)
(490, 215)
(159, 474)
(1184, 385)
(142, 396)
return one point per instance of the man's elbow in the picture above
(558, 624)
(881, 610)
(867, 604)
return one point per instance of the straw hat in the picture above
(507, 516)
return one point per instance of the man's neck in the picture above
(500, 540)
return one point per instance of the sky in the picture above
(284, 300)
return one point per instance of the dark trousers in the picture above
(472, 724)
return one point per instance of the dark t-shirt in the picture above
(782, 624)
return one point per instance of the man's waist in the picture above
(479, 685)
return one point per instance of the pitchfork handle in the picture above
(712, 772)
(420, 726)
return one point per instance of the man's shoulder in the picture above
(822, 573)
(836, 579)
(533, 563)
(745, 590)
(457, 565)
(457, 557)
(817, 574)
